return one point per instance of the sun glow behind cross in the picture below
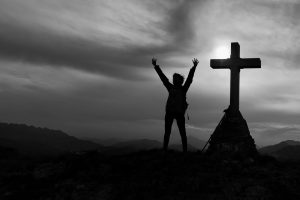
(222, 52)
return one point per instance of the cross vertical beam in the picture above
(235, 79)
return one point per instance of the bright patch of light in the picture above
(222, 52)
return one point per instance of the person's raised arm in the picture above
(161, 75)
(189, 79)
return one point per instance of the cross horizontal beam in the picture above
(235, 62)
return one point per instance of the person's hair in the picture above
(178, 79)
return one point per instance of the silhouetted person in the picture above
(176, 103)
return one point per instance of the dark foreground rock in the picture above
(148, 175)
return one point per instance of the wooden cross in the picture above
(235, 63)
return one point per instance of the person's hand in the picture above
(154, 61)
(195, 62)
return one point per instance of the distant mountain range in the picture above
(130, 146)
(286, 150)
(33, 141)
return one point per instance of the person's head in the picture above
(178, 79)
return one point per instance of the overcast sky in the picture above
(84, 66)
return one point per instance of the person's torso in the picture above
(177, 100)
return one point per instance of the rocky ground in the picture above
(147, 175)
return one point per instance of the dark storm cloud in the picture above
(45, 47)
(40, 45)
(181, 23)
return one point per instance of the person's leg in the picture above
(168, 127)
(181, 126)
